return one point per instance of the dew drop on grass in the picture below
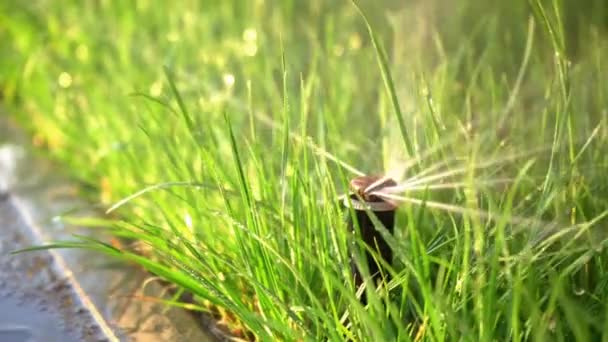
(64, 80)
(188, 220)
(156, 89)
(250, 35)
(469, 126)
(229, 80)
(250, 46)
(354, 41)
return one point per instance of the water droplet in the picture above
(156, 89)
(354, 41)
(250, 37)
(188, 220)
(250, 34)
(65, 80)
(229, 80)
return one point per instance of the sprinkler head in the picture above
(362, 188)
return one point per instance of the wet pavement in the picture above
(37, 301)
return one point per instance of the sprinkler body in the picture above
(384, 211)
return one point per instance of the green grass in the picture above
(237, 124)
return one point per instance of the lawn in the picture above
(218, 136)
